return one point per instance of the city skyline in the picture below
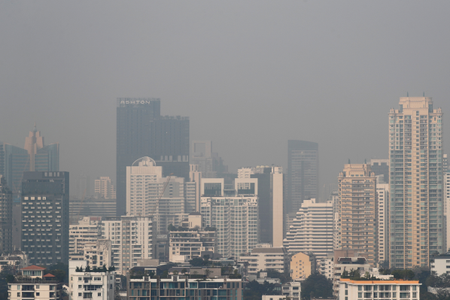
(258, 95)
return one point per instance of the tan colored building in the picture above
(358, 210)
(416, 212)
(302, 265)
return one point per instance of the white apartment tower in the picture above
(383, 220)
(234, 217)
(132, 239)
(312, 229)
(86, 231)
(148, 193)
(416, 183)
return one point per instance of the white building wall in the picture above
(383, 221)
(312, 229)
(132, 239)
(90, 285)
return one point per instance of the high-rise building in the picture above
(86, 231)
(383, 220)
(416, 181)
(270, 202)
(151, 194)
(312, 229)
(209, 163)
(5, 217)
(447, 209)
(358, 210)
(303, 174)
(104, 188)
(235, 217)
(35, 156)
(132, 239)
(45, 217)
(142, 131)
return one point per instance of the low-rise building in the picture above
(348, 264)
(302, 265)
(325, 266)
(176, 288)
(86, 283)
(14, 261)
(292, 290)
(440, 264)
(33, 284)
(185, 245)
(264, 258)
(379, 289)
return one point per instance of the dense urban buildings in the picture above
(150, 194)
(132, 239)
(104, 188)
(264, 258)
(6, 217)
(45, 217)
(302, 174)
(87, 231)
(209, 163)
(142, 131)
(358, 210)
(416, 182)
(312, 229)
(383, 220)
(235, 216)
(90, 283)
(379, 289)
(270, 203)
(35, 156)
(176, 287)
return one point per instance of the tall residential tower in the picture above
(416, 182)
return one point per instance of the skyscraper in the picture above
(270, 202)
(416, 178)
(303, 173)
(5, 217)
(35, 156)
(142, 131)
(45, 217)
(358, 210)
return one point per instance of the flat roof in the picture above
(381, 281)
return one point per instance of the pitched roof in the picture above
(49, 275)
(33, 267)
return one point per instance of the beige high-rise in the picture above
(358, 210)
(416, 228)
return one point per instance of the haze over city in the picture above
(250, 75)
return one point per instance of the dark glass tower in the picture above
(5, 217)
(142, 131)
(45, 217)
(303, 173)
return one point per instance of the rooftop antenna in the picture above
(424, 94)
(407, 94)
(34, 125)
(349, 161)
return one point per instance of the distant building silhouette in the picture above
(303, 173)
(5, 217)
(35, 156)
(45, 217)
(142, 131)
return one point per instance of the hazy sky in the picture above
(249, 74)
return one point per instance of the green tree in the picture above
(316, 285)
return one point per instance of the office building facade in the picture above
(142, 131)
(6, 217)
(303, 173)
(416, 182)
(45, 217)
